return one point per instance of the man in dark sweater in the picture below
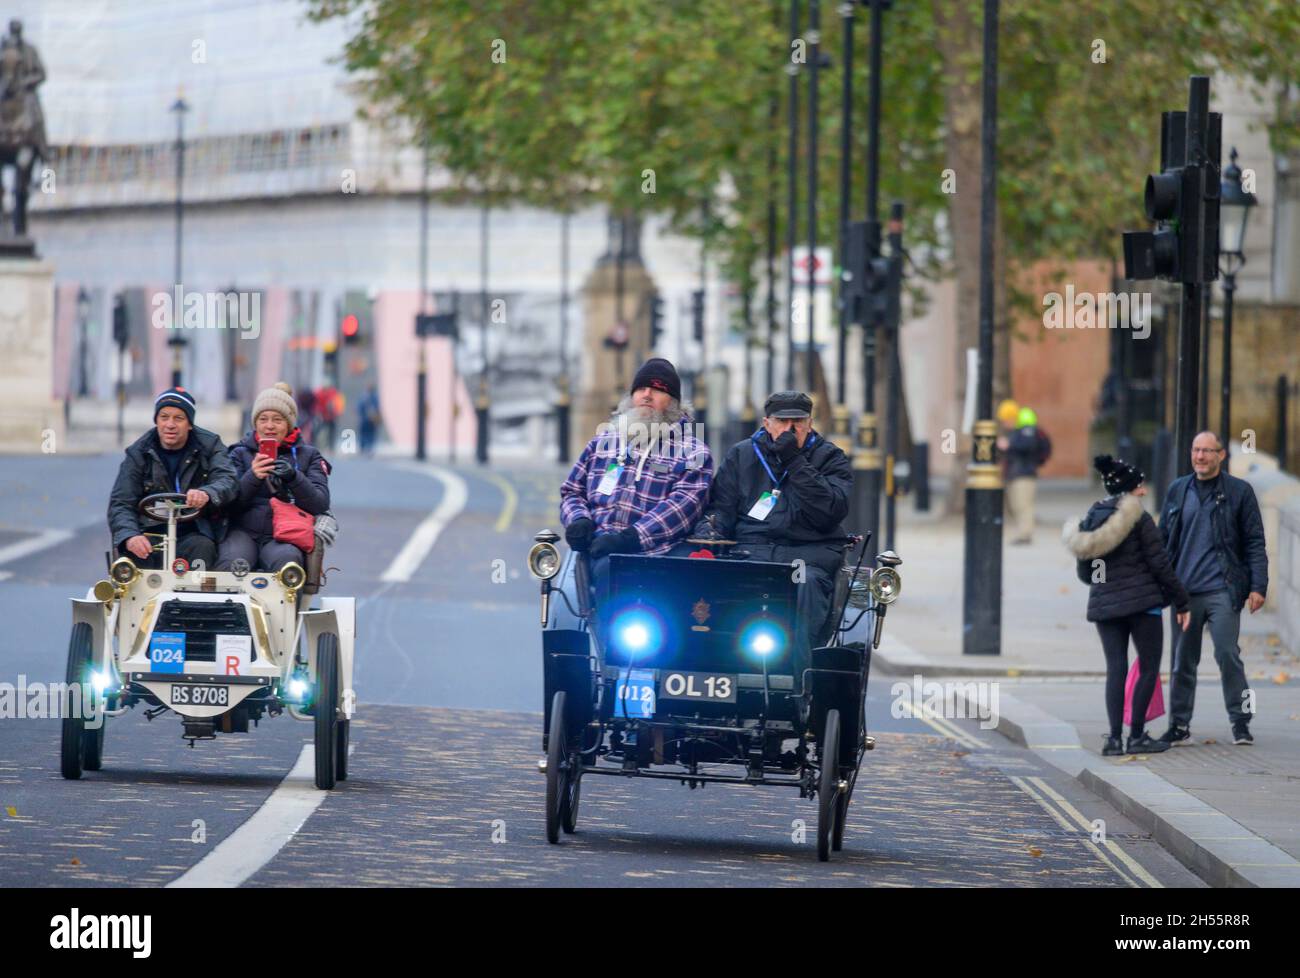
(1215, 537)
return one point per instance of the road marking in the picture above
(945, 728)
(25, 548)
(509, 505)
(1133, 865)
(255, 843)
(411, 556)
(1087, 838)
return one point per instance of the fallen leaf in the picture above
(76, 861)
(1209, 740)
(1035, 851)
(13, 812)
(1274, 640)
(1013, 672)
(960, 753)
(1281, 678)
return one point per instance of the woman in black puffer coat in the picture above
(1120, 554)
(298, 474)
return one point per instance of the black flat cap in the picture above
(788, 404)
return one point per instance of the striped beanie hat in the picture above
(177, 397)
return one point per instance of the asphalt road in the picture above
(444, 788)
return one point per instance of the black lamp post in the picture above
(1235, 205)
(83, 326)
(177, 340)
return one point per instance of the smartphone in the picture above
(269, 447)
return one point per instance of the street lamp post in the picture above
(840, 433)
(982, 585)
(792, 187)
(814, 41)
(177, 340)
(482, 402)
(562, 402)
(422, 363)
(1235, 205)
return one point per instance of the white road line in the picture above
(25, 548)
(255, 843)
(411, 556)
(1086, 839)
(1136, 868)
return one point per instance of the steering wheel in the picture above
(161, 505)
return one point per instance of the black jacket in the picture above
(1238, 533)
(308, 488)
(142, 473)
(1027, 450)
(1119, 552)
(807, 520)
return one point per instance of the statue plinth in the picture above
(31, 418)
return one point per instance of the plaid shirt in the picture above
(661, 491)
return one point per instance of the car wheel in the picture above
(72, 746)
(556, 774)
(327, 698)
(842, 814)
(828, 791)
(569, 814)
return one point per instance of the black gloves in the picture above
(704, 530)
(622, 542)
(283, 470)
(578, 533)
(786, 447)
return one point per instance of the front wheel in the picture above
(73, 743)
(327, 722)
(557, 774)
(828, 793)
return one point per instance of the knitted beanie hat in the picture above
(1117, 475)
(177, 397)
(277, 398)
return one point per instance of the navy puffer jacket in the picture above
(308, 488)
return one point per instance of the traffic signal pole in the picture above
(840, 428)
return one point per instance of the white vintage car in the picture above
(218, 648)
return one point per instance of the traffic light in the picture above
(697, 315)
(877, 291)
(1183, 201)
(350, 329)
(121, 330)
(656, 319)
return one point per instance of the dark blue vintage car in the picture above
(685, 669)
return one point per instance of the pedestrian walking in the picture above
(1214, 534)
(1119, 552)
(1027, 450)
(371, 419)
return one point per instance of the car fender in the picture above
(102, 622)
(336, 615)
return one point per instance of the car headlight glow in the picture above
(636, 633)
(885, 585)
(100, 682)
(543, 561)
(763, 638)
(297, 688)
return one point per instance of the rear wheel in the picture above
(327, 698)
(842, 813)
(74, 733)
(557, 774)
(828, 794)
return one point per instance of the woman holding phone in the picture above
(272, 462)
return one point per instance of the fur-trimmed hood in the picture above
(1111, 521)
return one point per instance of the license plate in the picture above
(200, 695)
(634, 694)
(706, 686)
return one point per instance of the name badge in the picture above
(609, 480)
(764, 505)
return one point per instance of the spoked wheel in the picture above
(327, 722)
(828, 793)
(842, 812)
(559, 806)
(72, 749)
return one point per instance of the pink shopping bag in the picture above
(1155, 708)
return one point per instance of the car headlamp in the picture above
(297, 689)
(763, 638)
(124, 571)
(543, 561)
(885, 585)
(101, 682)
(636, 633)
(291, 576)
(105, 591)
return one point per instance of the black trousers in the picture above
(1147, 632)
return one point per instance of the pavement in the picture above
(1226, 812)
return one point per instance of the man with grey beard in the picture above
(641, 484)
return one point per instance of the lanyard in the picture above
(763, 462)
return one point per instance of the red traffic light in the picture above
(351, 326)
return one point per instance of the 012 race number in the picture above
(697, 686)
